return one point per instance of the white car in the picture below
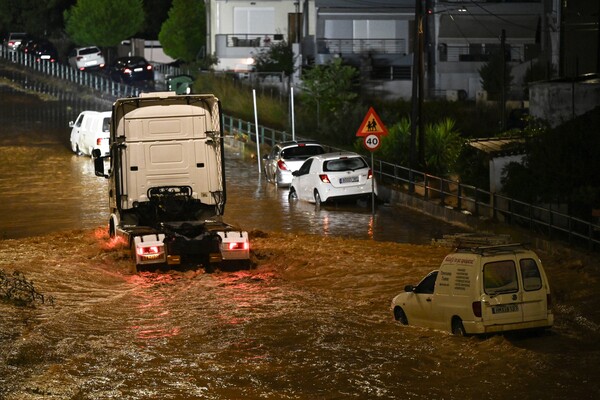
(332, 177)
(287, 157)
(86, 58)
(91, 130)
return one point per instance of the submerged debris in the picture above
(16, 288)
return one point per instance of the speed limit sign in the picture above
(371, 142)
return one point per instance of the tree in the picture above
(491, 76)
(183, 34)
(561, 166)
(278, 57)
(329, 87)
(104, 23)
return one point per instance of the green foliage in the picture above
(561, 166)
(278, 57)
(395, 146)
(491, 76)
(103, 22)
(329, 88)
(183, 34)
(442, 147)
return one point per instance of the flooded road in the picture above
(310, 321)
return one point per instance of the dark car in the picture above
(132, 70)
(41, 49)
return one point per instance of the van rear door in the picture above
(534, 294)
(501, 299)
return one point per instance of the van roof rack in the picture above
(499, 248)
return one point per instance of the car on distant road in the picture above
(91, 130)
(333, 177)
(287, 157)
(86, 58)
(43, 50)
(13, 40)
(132, 70)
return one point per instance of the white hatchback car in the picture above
(91, 130)
(86, 58)
(331, 177)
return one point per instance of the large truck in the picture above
(167, 189)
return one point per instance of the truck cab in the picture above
(167, 181)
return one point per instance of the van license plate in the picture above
(349, 179)
(505, 308)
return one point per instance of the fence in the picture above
(94, 81)
(447, 192)
(452, 193)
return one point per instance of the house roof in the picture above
(471, 26)
(497, 147)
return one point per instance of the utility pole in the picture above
(503, 95)
(417, 92)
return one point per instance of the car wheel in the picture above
(457, 327)
(400, 316)
(292, 195)
(317, 198)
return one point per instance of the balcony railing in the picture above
(362, 46)
(253, 40)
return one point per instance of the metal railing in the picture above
(450, 193)
(446, 192)
(57, 70)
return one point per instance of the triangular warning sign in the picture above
(371, 125)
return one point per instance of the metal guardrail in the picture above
(447, 192)
(57, 70)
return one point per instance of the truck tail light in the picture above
(98, 141)
(476, 308)
(324, 178)
(281, 165)
(239, 246)
(149, 250)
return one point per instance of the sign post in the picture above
(371, 131)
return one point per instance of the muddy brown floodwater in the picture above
(310, 320)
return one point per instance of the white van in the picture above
(480, 290)
(90, 131)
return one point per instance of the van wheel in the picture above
(400, 316)
(457, 327)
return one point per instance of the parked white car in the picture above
(480, 290)
(86, 58)
(332, 177)
(90, 131)
(287, 157)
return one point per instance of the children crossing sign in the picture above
(371, 125)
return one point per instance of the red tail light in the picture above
(476, 308)
(79, 58)
(149, 67)
(370, 174)
(127, 71)
(98, 141)
(281, 165)
(239, 246)
(143, 251)
(324, 178)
